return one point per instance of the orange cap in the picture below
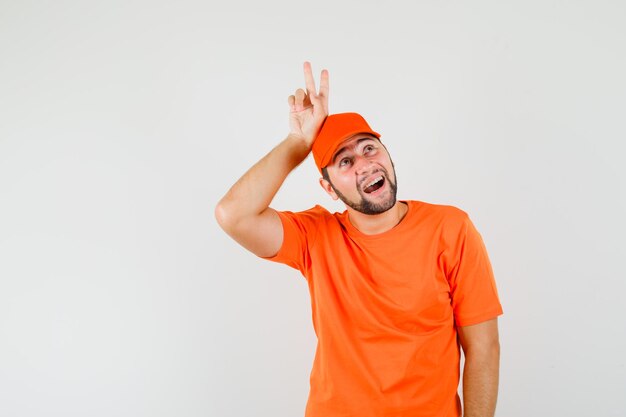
(335, 129)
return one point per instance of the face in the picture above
(361, 174)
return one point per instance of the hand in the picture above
(308, 110)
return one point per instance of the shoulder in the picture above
(317, 212)
(312, 216)
(444, 212)
(448, 222)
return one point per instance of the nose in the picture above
(362, 165)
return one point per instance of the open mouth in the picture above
(375, 184)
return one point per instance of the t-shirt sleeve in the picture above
(472, 283)
(299, 230)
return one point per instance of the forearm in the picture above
(480, 382)
(254, 191)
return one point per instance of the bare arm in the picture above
(244, 211)
(481, 347)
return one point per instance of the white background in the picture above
(122, 123)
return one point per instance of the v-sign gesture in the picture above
(309, 109)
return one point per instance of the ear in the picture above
(328, 188)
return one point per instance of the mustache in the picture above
(369, 174)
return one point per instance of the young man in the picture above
(395, 286)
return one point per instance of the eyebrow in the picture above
(345, 147)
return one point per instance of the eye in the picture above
(369, 148)
(344, 162)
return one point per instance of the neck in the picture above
(373, 224)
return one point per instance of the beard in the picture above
(366, 206)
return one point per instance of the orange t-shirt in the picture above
(385, 308)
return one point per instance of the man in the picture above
(395, 285)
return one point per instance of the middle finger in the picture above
(308, 78)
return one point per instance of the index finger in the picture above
(308, 78)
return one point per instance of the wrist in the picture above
(300, 141)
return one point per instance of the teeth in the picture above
(374, 182)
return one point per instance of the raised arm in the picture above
(244, 211)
